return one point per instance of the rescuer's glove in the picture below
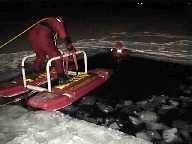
(71, 48)
(68, 44)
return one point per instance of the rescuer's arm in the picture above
(68, 44)
(62, 34)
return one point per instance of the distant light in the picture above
(189, 3)
(140, 3)
(119, 50)
(58, 20)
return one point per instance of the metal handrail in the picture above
(59, 57)
(23, 68)
(48, 67)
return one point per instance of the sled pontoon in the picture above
(59, 96)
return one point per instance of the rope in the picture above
(12, 39)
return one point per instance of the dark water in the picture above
(139, 77)
(135, 80)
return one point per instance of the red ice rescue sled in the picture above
(57, 97)
(60, 96)
(54, 97)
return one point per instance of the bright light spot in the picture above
(119, 50)
(140, 3)
(58, 20)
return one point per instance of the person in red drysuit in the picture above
(41, 39)
(119, 54)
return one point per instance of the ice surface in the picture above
(12, 60)
(166, 47)
(21, 126)
(162, 46)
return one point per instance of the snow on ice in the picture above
(21, 126)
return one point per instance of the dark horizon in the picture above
(21, 13)
(22, 8)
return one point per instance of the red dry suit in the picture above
(42, 43)
(119, 52)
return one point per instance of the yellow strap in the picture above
(22, 33)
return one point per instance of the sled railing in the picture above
(60, 57)
(23, 68)
(37, 88)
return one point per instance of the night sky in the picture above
(20, 11)
(87, 7)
